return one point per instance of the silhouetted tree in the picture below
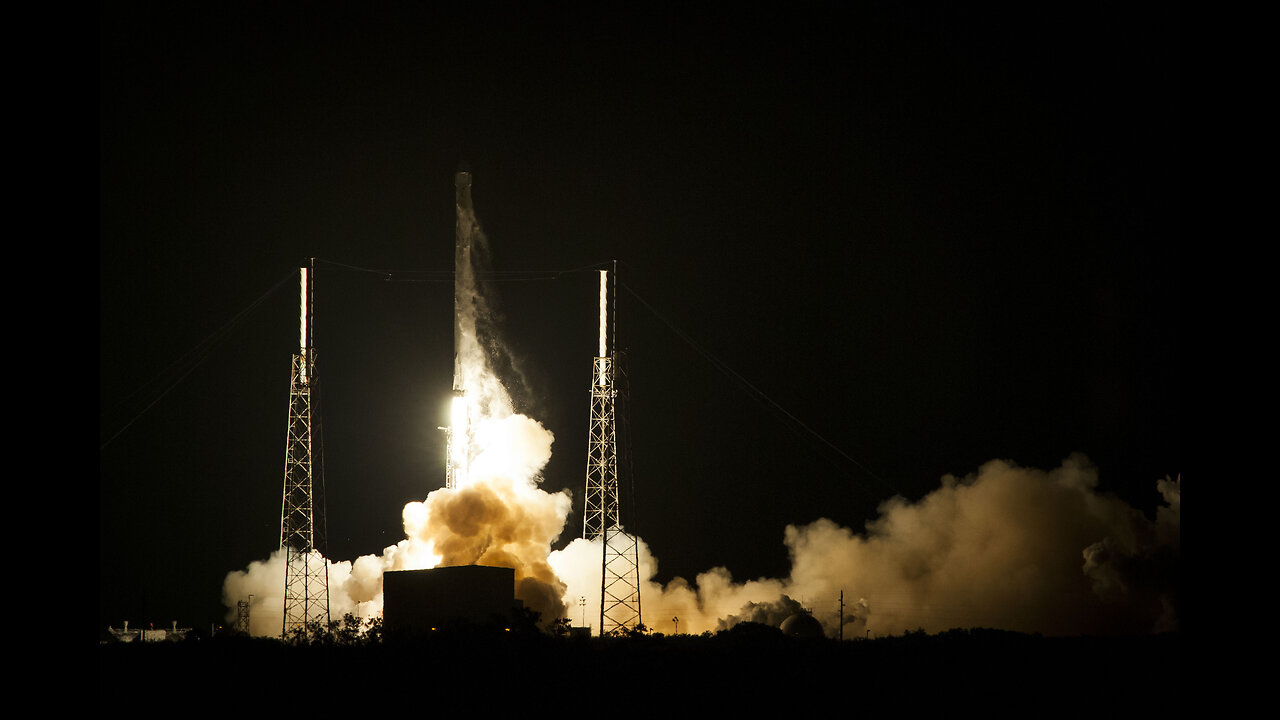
(559, 628)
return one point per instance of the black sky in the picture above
(934, 236)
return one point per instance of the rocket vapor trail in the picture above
(496, 515)
(1006, 547)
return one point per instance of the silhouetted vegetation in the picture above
(348, 631)
(982, 670)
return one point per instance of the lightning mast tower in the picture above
(620, 569)
(302, 522)
(458, 434)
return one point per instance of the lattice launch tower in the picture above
(302, 519)
(602, 517)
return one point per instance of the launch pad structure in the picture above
(602, 509)
(302, 515)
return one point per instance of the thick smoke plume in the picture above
(1006, 547)
(497, 516)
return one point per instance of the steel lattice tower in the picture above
(620, 569)
(242, 616)
(302, 523)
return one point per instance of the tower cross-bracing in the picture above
(302, 524)
(620, 570)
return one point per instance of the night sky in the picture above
(861, 248)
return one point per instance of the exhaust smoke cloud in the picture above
(1005, 547)
(497, 515)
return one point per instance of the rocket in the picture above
(459, 432)
(462, 274)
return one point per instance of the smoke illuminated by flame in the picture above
(497, 515)
(1006, 547)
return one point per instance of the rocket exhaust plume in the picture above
(1005, 547)
(492, 513)
(458, 435)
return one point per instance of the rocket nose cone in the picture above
(462, 179)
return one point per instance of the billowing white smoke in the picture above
(501, 518)
(496, 516)
(1007, 547)
(353, 589)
